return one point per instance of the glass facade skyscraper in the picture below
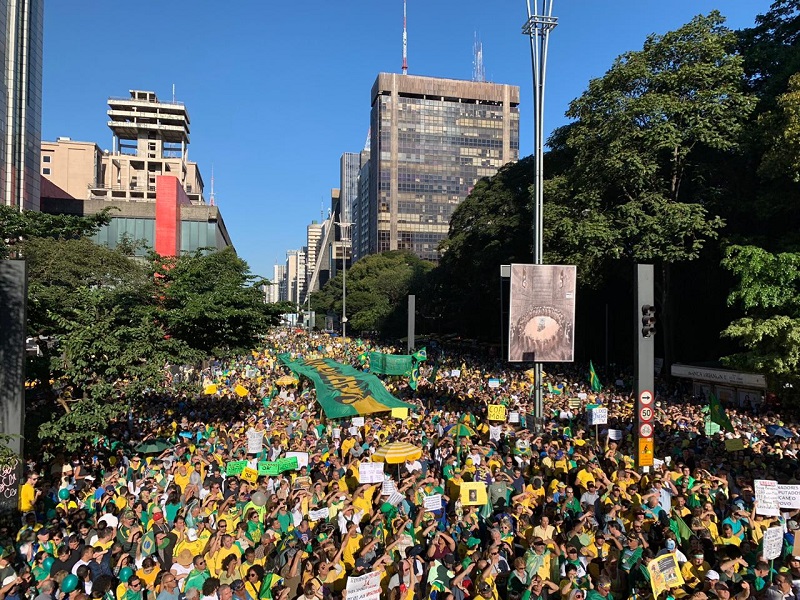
(21, 41)
(432, 140)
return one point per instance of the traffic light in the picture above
(648, 320)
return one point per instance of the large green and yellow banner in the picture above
(390, 364)
(343, 391)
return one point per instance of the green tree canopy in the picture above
(768, 290)
(377, 288)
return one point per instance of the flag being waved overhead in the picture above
(717, 414)
(594, 380)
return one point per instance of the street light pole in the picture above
(538, 27)
(344, 236)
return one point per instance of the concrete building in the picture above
(147, 177)
(21, 36)
(296, 276)
(276, 290)
(432, 139)
(313, 242)
(71, 166)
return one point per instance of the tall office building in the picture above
(431, 140)
(313, 241)
(276, 290)
(21, 34)
(296, 276)
(349, 166)
(360, 241)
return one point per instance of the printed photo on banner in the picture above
(542, 313)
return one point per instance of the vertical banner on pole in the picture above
(412, 310)
(542, 313)
(643, 365)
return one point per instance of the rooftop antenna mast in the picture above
(213, 199)
(478, 72)
(173, 93)
(405, 41)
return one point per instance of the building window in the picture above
(46, 171)
(46, 158)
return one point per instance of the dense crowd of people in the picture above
(158, 508)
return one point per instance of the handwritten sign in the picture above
(388, 488)
(598, 416)
(773, 543)
(789, 496)
(366, 587)
(370, 472)
(319, 515)
(497, 412)
(255, 441)
(395, 499)
(432, 503)
(615, 434)
(235, 468)
(767, 502)
(276, 467)
(302, 458)
(494, 383)
(250, 475)
(513, 416)
(357, 421)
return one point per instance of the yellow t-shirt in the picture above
(27, 497)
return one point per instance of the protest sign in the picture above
(767, 497)
(255, 441)
(773, 543)
(455, 373)
(734, 445)
(494, 383)
(497, 412)
(287, 464)
(352, 430)
(337, 433)
(598, 416)
(582, 396)
(574, 403)
(388, 488)
(473, 493)
(432, 503)
(400, 413)
(395, 499)
(357, 421)
(665, 574)
(234, 468)
(366, 587)
(302, 458)
(370, 472)
(241, 391)
(513, 416)
(615, 434)
(789, 496)
(249, 475)
(319, 515)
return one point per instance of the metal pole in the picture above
(538, 27)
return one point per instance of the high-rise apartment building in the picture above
(432, 139)
(21, 35)
(296, 276)
(313, 241)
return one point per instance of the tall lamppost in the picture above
(344, 236)
(538, 27)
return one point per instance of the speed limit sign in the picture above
(646, 413)
(646, 397)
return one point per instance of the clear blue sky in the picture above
(277, 91)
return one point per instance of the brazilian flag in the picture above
(717, 414)
(594, 380)
(555, 391)
(413, 378)
(421, 354)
